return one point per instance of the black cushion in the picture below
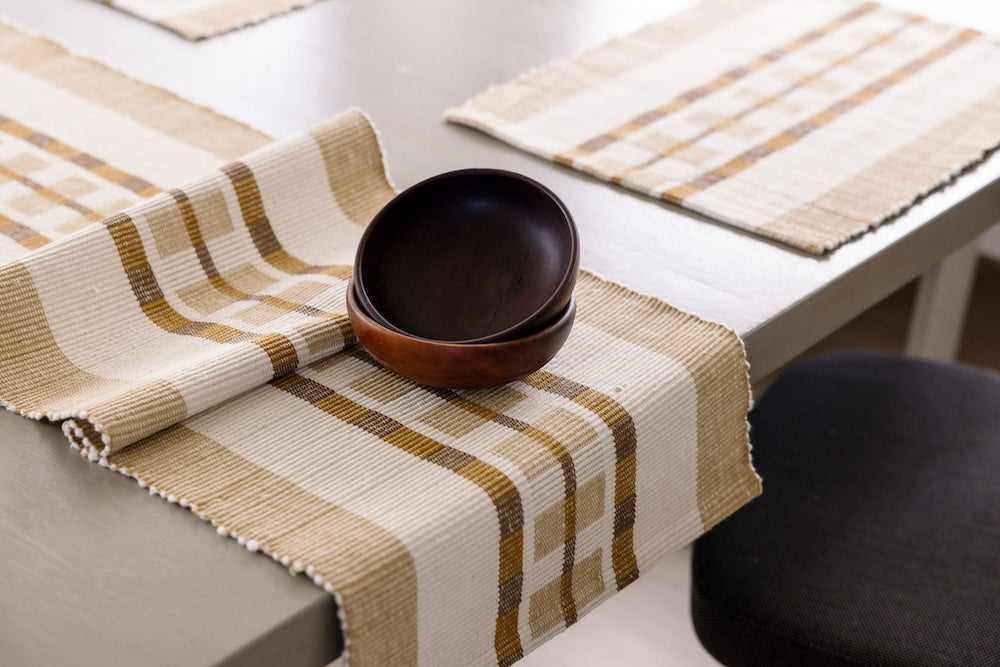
(877, 537)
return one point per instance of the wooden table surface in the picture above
(90, 565)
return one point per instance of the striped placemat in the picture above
(196, 341)
(198, 19)
(804, 122)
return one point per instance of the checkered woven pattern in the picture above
(198, 19)
(196, 341)
(804, 122)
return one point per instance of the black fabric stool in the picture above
(877, 538)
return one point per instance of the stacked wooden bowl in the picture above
(466, 280)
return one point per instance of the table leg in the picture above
(939, 310)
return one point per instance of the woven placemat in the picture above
(198, 19)
(804, 122)
(197, 342)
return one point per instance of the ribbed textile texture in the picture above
(198, 19)
(194, 337)
(804, 122)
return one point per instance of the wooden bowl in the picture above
(459, 365)
(470, 256)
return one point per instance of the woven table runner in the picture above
(198, 19)
(196, 341)
(804, 122)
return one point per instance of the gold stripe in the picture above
(562, 456)
(565, 460)
(554, 84)
(721, 82)
(543, 609)
(50, 194)
(250, 501)
(65, 152)
(352, 155)
(22, 234)
(147, 105)
(30, 347)
(748, 158)
(227, 289)
(622, 428)
(714, 357)
(497, 486)
(193, 228)
(859, 203)
(146, 289)
(729, 121)
(255, 218)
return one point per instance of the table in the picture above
(87, 562)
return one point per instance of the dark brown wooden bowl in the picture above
(459, 365)
(469, 256)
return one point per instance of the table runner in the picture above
(196, 341)
(198, 19)
(804, 122)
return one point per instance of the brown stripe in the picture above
(352, 156)
(48, 193)
(564, 458)
(858, 203)
(714, 357)
(723, 81)
(22, 234)
(147, 105)
(543, 610)
(497, 486)
(551, 85)
(65, 152)
(146, 289)
(252, 502)
(729, 121)
(255, 218)
(793, 134)
(622, 428)
(257, 223)
(219, 282)
(193, 229)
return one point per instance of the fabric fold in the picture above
(194, 296)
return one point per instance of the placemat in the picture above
(198, 19)
(804, 122)
(196, 341)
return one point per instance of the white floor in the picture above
(646, 625)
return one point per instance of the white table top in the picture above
(403, 63)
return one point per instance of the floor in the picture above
(647, 624)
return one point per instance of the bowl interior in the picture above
(468, 255)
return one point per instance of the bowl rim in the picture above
(569, 275)
(567, 313)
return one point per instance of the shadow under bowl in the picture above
(471, 256)
(459, 365)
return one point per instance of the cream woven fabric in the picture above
(197, 342)
(804, 122)
(198, 19)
